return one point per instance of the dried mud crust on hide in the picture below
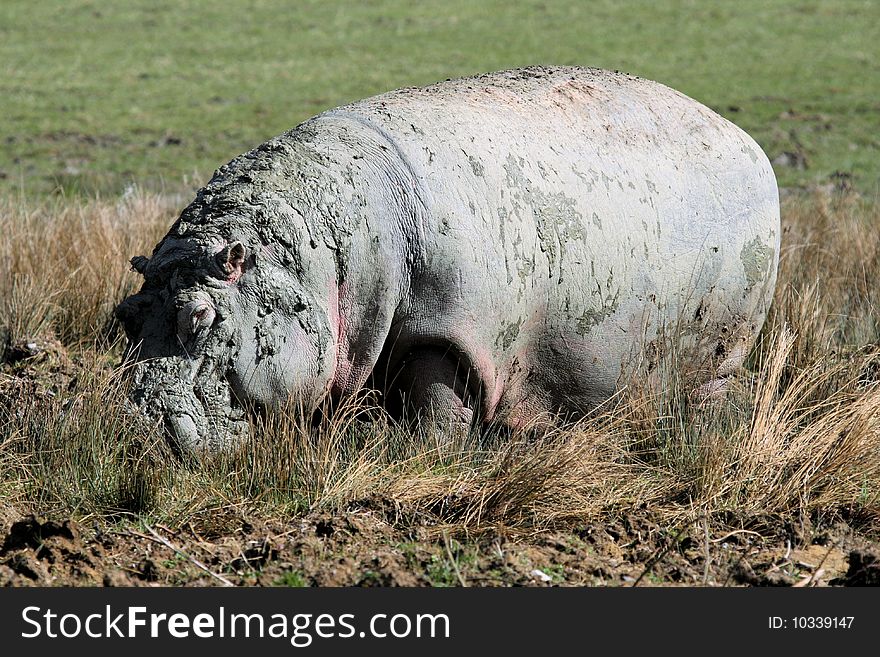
(378, 543)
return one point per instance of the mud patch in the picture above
(48, 553)
(864, 568)
(756, 258)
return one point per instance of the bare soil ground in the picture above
(376, 543)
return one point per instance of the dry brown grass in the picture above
(798, 434)
(65, 263)
(827, 293)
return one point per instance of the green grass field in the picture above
(95, 96)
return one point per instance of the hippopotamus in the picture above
(487, 250)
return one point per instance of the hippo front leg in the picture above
(431, 390)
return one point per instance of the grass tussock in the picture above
(797, 433)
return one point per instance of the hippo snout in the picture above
(199, 414)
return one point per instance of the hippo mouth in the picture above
(199, 413)
(197, 433)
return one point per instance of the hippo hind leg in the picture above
(431, 389)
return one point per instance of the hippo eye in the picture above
(195, 317)
(198, 319)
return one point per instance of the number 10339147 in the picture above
(810, 622)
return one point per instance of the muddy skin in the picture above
(489, 249)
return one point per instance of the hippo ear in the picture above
(230, 259)
(139, 264)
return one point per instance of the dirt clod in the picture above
(864, 568)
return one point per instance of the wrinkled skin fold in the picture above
(493, 249)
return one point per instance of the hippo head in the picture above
(220, 328)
